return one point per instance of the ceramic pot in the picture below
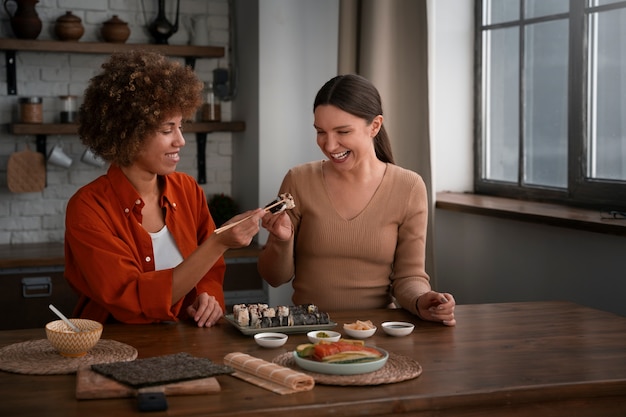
(115, 30)
(25, 21)
(69, 27)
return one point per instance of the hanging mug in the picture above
(199, 31)
(92, 159)
(57, 157)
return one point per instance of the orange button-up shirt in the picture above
(109, 259)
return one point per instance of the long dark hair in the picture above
(356, 95)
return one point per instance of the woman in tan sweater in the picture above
(356, 238)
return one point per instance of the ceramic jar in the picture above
(25, 21)
(69, 27)
(115, 30)
(31, 110)
(67, 112)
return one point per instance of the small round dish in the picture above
(398, 328)
(270, 340)
(323, 336)
(342, 368)
(359, 334)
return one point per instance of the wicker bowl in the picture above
(70, 343)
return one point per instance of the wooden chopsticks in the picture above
(231, 225)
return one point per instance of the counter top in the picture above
(31, 255)
(510, 359)
(52, 254)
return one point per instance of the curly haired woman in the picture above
(139, 241)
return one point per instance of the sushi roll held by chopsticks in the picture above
(283, 202)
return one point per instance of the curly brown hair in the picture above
(132, 96)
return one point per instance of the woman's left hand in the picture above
(435, 306)
(205, 311)
(278, 225)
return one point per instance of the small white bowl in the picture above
(398, 328)
(359, 334)
(270, 340)
(323, 336)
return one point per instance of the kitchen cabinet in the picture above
(41, 131)
(25, 294)
(31, 278)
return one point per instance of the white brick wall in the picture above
(39, 217)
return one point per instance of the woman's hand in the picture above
(434, 306)
(241, 235)
(278, 225)
(205, 310)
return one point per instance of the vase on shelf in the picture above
(115, 30)
(69, 27)
(25, 21)
(162, 29)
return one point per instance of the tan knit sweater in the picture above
(361, 263)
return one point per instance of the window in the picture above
(551, 101)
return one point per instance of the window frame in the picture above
(581, 191)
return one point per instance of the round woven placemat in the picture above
(39, 357)
(398, 368)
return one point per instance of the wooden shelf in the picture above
(189, 52)
(10, 46)
(72, 129)
(531, 211)
(108, 48)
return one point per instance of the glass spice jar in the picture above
(68, 109)
(31, 110)
(211, 109)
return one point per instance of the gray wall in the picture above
(482, 259)
(39, 217)
(290, 51)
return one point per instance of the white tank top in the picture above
(166, 253)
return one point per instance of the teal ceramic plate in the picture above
(342, 368)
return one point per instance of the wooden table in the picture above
(513, 359)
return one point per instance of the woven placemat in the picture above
(398, 368)
(39, 357)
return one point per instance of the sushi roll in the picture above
(255, 316)
(282, 313)
(322, 318)
(270, 322)
(283, 202)
(241, 315)
(310, 318)
(261, 315)
(269, 312)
